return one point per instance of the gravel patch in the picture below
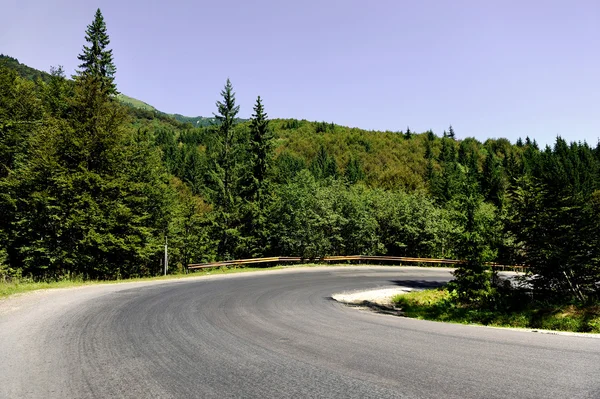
(382, 297)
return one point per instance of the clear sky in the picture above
(490, 68)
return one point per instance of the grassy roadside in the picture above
(22, 286)
(437, 305)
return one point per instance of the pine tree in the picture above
(225, 151)
(254, 236)
(472, 278)
(430, 135)
(323, 165)
(193, 168)
(97, 60)
(261, 148)
(226, 162)
(354, 171)
(451, 133)
(491, 182)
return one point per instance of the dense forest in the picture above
(91, 187)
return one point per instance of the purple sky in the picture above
(490, 68)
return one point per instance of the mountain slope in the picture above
(34, 74)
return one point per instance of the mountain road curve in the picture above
(273, 334)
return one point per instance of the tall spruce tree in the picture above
(226, 163)
(225, 150)
(261, 148)
(451, 133)
(97, 59)
(472, 278)
(254, 237)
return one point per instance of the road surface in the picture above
(275, 334)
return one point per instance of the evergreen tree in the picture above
(253, 240)
(472, 279)
(171, 155)
(492, 184)
(354, 171)
(408, 133)
(446, 184)
(430, 136)
(226, 163)
(97, 59)
(261, 148)
(429, 171)
(57, 92)
(451, 133)
(323, 165)
(225, 150)
(94, 200)
(194, 165)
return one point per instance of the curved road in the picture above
(274, 334)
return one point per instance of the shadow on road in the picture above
(418, 283)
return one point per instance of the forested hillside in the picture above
(91, 187)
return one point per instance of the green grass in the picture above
(438, 305)
(8, 288)
(134, 102)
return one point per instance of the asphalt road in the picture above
(272, 334)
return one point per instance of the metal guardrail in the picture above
(395, 259)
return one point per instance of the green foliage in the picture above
(260, 152)
(93, 201)
(324, 166)
(517, 310)
(23, 70)
(553, 216)
(288, 166)
(226, 154)
(354, 171)
(20, 115)
(96, 59)
(190, 241)
(476, 245)
(413, 225)
(309, 219)
(255, 185)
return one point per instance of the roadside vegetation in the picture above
(13, 286)
(516, 309)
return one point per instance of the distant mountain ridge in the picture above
(30, 73)
(200, 121)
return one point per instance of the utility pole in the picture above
(166, 257)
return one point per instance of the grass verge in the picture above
(19, 286)
(438, 305)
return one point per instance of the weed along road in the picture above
(273, 334)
